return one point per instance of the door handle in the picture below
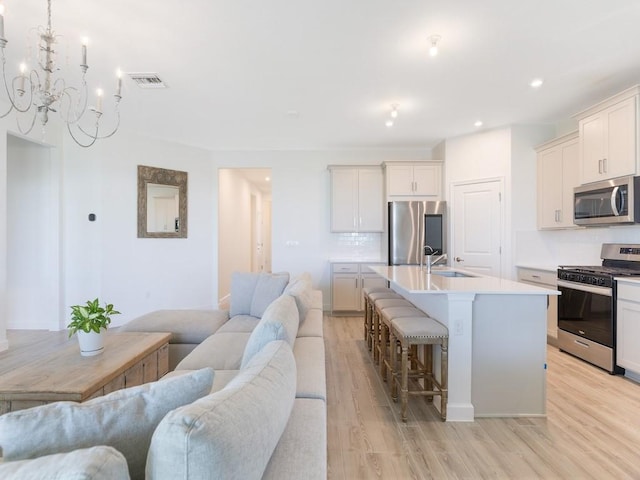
(458, 259)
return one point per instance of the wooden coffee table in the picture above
(129, 359)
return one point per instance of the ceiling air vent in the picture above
(147, 80)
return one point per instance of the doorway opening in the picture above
(33, 236)
(244, 224)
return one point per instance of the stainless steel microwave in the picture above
(610, 202)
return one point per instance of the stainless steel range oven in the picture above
(587, 305)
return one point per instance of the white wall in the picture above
(106, 259)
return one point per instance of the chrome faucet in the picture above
(429, 260)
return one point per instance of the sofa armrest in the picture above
(96, 463)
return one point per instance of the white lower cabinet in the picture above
(548, 279)
(347, 282)
(628, 326)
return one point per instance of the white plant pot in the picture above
(91, 343)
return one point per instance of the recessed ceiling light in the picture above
(478, 123)
(536, 82)
(433, 50)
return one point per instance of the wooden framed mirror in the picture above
(162, 203)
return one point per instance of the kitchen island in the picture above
(497, 338)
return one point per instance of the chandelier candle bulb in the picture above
(119, 84)
(23, 69)
(1, 21)
(85, 41)
(99, 100)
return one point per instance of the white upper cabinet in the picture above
(609, 138)
(422, 179)
(558, 168)
(357, 199)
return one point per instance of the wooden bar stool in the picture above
(385, 312)
(369, 314)
(422, 331)
(379, 305)
(368, 308)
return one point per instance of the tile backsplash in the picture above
(357, 245)
(580, 246)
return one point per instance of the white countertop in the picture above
(356, 260)
(633, 280)
(414, 280)
(544, 268)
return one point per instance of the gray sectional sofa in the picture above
(251, 399)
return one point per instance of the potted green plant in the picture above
(90, 322)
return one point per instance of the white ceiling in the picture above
(322, 74)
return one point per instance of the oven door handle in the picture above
(586, 288)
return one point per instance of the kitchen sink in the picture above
(451, 273)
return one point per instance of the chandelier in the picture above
(42, 90)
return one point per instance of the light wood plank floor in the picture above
(592, 429)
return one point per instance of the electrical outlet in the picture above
(457, 327)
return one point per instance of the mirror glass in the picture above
(162, 203)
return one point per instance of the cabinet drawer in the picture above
(629, 292)
(537, 276)
(345, 268)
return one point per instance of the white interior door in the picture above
(477, 214)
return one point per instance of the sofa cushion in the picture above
(302, 449)
(279, 322)
(222, 351)
(251, 293)
(124, 419)
(220, 380)
(312, 325)
(186, 326)
(231, 433)
(239, 323)
(243, 285)
(310, 363)
(268, 288)
(300, 288)
(95, 463)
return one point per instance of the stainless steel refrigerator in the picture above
(412, 225)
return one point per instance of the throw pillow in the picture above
(301, 288)
(269, 287)
(243, 285)
(279, 322)
(231, 433)
(95, 463)
(124, 419)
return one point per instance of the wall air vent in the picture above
(147, 80)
